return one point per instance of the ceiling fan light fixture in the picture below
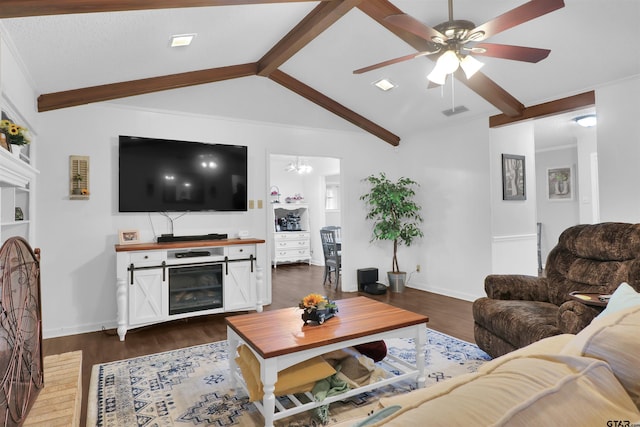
(437, 76)
(446, 64)
(180, 40)
(470, 66)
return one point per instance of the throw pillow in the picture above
(613, 339)
(376, 350)
(295, 379)
(623, 297)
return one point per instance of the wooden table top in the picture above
(278, 332)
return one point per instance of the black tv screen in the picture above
(162, 175)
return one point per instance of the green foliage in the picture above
(395, 214)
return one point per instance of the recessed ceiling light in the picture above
(178, 40)
(587, 121)
(384, 84)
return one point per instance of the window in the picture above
(332, 196)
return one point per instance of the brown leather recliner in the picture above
(519, 310)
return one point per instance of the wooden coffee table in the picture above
(280, 339)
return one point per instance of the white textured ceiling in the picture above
(592, 42)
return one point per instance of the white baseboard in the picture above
(80, 329)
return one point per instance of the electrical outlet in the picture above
(418, 268)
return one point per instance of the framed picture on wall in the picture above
(127, 237)
(560, 183)
(513, 177)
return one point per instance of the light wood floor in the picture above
(290, 284)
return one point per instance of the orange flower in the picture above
(312, 300)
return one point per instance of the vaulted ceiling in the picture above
(291, 62)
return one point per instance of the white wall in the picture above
(513, 222)
(77, 237)
(556, 215)
(452, 167)
(588, 201)
(618, 109)
(458, 169)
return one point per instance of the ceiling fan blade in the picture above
(517, 16)
(492, 93)
(391, 61)
(412, 25)
(515, 53)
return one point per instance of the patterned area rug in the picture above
(190, 386)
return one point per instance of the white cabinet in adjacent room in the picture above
(292, 240)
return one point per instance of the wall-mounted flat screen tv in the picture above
(162, 175)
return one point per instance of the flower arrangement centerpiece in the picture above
(15, 134)
(317, 308)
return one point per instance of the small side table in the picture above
(589, 298)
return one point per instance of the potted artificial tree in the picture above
(396, 217)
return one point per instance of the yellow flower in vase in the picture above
(317, 308)
(14, 133)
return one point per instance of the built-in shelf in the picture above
(16, 181)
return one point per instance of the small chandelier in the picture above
(299, 167)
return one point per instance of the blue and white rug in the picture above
(190, 386)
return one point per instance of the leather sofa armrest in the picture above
(574, 316)
(516, 287)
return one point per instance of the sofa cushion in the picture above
(613, 338)
(523, 390)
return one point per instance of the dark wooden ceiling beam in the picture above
(570, 103)
(72, 98)
(319, 19)
(322, 17)
(23, 8)
(479, 83)
(333, 106)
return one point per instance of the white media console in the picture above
(158, 282)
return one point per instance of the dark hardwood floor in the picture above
(290, 284)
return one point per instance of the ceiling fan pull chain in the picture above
(453, 93)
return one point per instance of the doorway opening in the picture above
(305, 196)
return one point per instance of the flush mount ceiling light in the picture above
(587, 121)
(179, 40)
(384, 84)
(298, 166)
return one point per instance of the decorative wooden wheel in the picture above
(20, 330)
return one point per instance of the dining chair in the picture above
(332, 255)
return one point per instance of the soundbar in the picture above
(165, 238)
(190, 254)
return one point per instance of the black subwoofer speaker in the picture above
(368, 281)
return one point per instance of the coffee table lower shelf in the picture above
(286, 406)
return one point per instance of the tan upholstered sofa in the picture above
(588, 379)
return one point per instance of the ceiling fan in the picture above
(455, 42)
